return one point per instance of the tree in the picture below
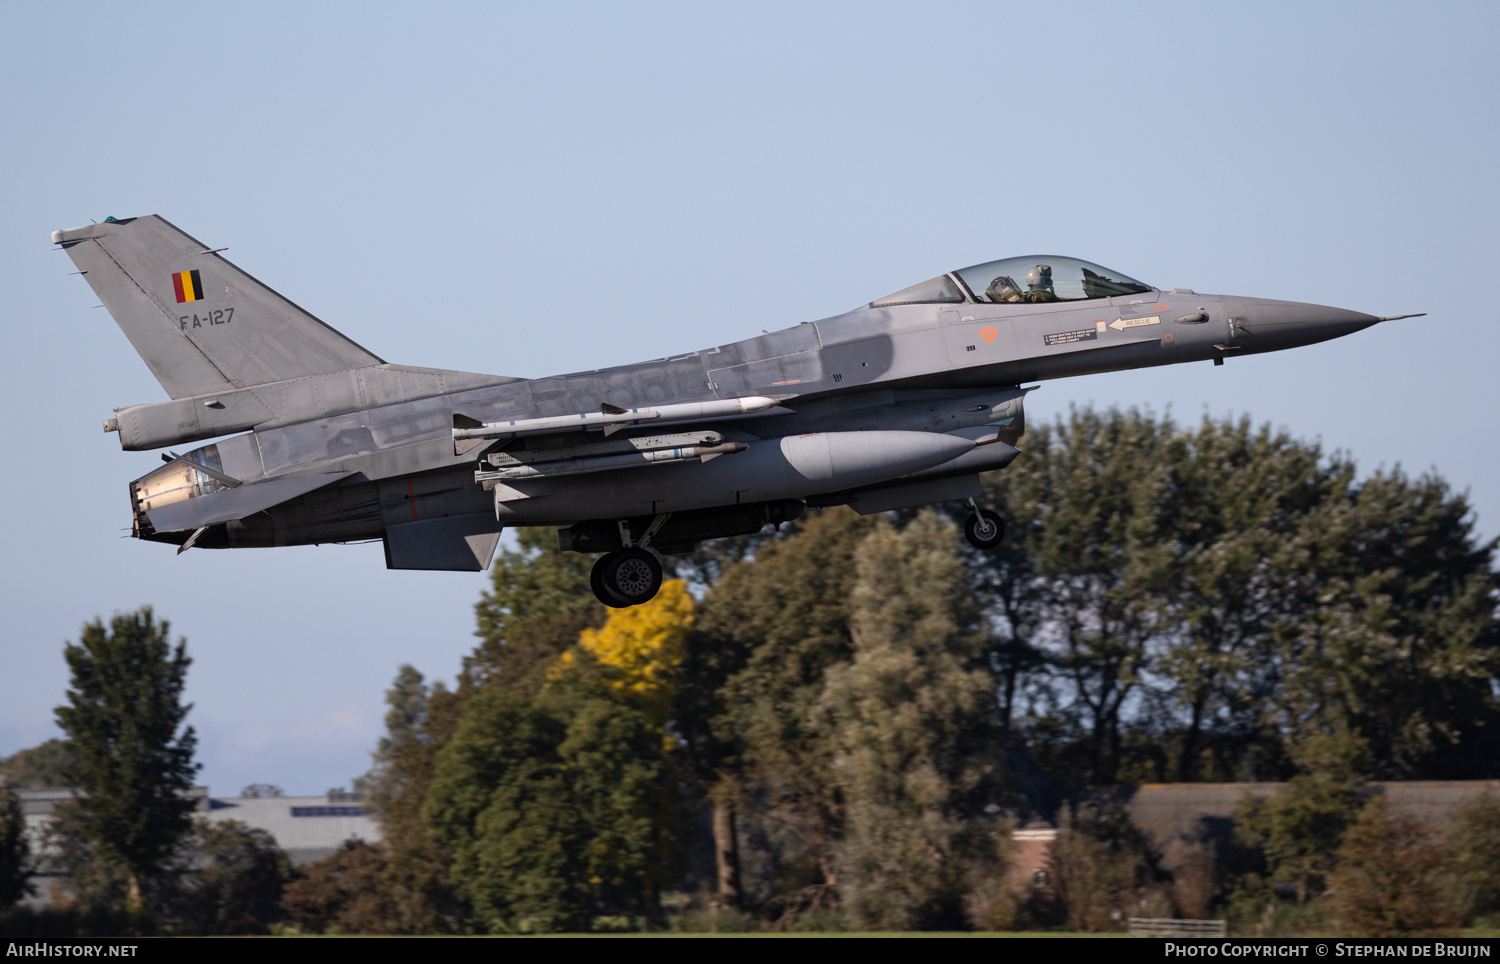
(713, 652)
(1396, 636)
(98, 885)
(1300, 829)
(1191, 604)
(539, 601)
(1476, 852)
(40, 766)
(132, 756)
(234, 880)
(15, 851)
(910, 725)
(407, 699)
(557, 807)
(342, 893)
(1238, 498)
(1389, 881)
(1074, 594)
(752, 675)
(642, 647)
(1194, 883)
(1007, 586)
(991, 904)
(417, 895)
(1101, 864)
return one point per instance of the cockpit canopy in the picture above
(1037, 279)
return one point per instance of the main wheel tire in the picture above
(596, 583)
(632, 575)
(984, 530)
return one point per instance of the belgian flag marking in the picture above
(188, 285)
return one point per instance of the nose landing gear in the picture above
(984, 529)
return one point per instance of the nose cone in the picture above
(1260, 324)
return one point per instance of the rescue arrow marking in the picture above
(1120, 324)
(988, 334)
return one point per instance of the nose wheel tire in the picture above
(626, 578)
(984, 529)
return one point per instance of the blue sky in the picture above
(537, 188)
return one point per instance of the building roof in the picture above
(307, 828)
(41, 801)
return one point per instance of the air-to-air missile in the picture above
(900, 402)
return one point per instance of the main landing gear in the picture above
(984, 529)
(625, 578)
(628, 576)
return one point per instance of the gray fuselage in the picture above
(924, 368)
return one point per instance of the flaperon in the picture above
(900, 402)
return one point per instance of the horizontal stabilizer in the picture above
(230, 504)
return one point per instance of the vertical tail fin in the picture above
(201, 324)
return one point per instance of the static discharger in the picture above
(610, 418)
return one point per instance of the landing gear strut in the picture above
(984, 529)
(631, 575)
(625, 578)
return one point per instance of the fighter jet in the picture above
(900, 402)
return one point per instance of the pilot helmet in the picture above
(1039, 278)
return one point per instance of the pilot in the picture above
(1004, 290)
(1039, 285)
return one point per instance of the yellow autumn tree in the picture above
(643, 645)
